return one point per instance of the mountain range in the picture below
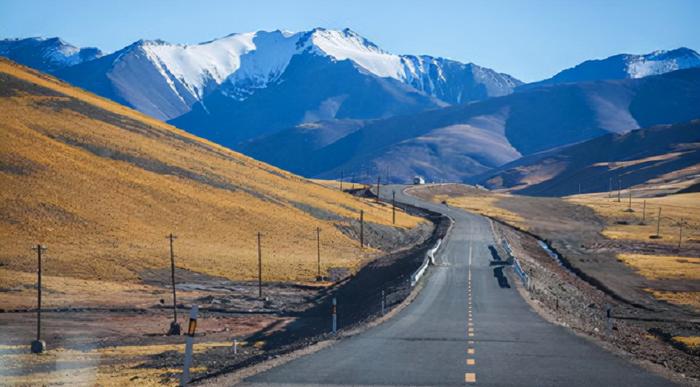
(328, 102)
(462, 141)
(167, 80)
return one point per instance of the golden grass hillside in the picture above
(641, 223)
(101, 185)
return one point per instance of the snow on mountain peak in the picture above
(348, 45)
(661, 61)
(46, 54)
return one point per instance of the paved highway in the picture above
(463, 328)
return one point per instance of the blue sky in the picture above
(530, 40)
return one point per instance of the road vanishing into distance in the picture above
(463, 328)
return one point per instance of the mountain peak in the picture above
(626, 66)
(46, 54)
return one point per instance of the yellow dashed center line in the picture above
(470, 377)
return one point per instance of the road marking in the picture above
(470, 253)
(470, 351)
(471, 362)
(471, 334)
(470, 377)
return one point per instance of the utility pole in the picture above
(341, 179)
(609, 187)
(174, 326)
(629, 205)
(259, 268)
(379, 179)
(362, 229)
(658, 224)
(619, 189)
(393, 207)
(644, 212)
(38, 345)
(318, 251)
(579, 188)
(680, 233)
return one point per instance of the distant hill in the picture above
(625, 66)
(667, 156)
(102, 185)
(459, 142)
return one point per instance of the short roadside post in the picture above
(335, 315)
(189, 342)
(38, 345)
(383, 302)
(608, 317)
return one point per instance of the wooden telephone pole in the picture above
(38, 345)
(393, 207)
(174, 326)
(318, 251)
(362, 229)
(379, 179)
(259, 267)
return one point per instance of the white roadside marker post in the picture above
(383, 298)
(235, 346)
(189, 341)
(335, 316)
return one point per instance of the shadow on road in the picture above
(502, 280)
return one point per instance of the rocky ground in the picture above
(580, 303)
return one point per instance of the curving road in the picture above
(463, 328)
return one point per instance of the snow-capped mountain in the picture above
(165, 80)
(626, 66)
(46, 55)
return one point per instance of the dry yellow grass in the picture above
(692, 342)
(335, 184)
(108, 366)
(691, 299)
(101, 185)
(673, 209)
(486, 205)
(663, 267)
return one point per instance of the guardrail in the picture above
(428, 260)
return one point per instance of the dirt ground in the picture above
(593, 275)
(122, 339)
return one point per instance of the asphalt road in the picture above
(463, 328)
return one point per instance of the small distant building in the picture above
(418, 180)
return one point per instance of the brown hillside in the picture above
(101, 185)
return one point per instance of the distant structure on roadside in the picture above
(418, 180)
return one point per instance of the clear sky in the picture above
(530, 40)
